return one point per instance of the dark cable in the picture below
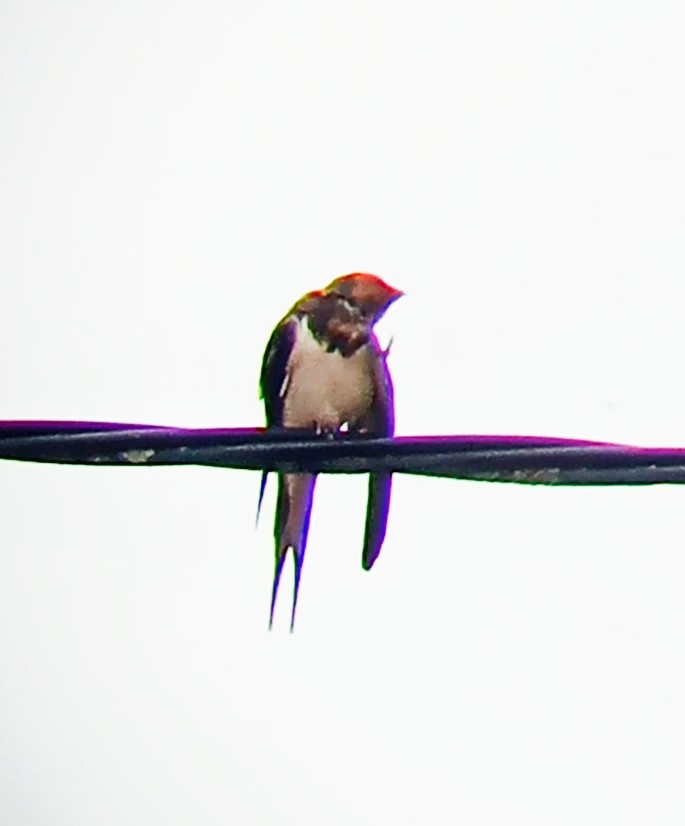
(520, 459)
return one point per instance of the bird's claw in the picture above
(328, 432)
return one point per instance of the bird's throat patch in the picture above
(338, 327)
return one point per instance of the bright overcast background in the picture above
(173, 176)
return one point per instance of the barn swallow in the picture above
(324, 369)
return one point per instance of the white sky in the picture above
(172, 177)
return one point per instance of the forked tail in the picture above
(291, 528)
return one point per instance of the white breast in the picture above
(323, 389)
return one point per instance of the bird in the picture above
(324, 370)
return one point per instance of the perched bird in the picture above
(323, 369)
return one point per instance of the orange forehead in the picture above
(365, 287)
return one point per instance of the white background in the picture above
(172, 177)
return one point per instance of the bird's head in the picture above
(368, 292)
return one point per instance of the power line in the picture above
(517, 459)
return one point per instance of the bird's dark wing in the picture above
(380, 421)
(273, 380)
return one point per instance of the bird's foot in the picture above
(328, 432)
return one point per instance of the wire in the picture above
(519, 459)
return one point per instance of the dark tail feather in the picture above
(293, 513)
(298, 553)
(380, 488)
(262, 488)
(299, 559)
(277, 578)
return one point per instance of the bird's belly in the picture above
(326, 390)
